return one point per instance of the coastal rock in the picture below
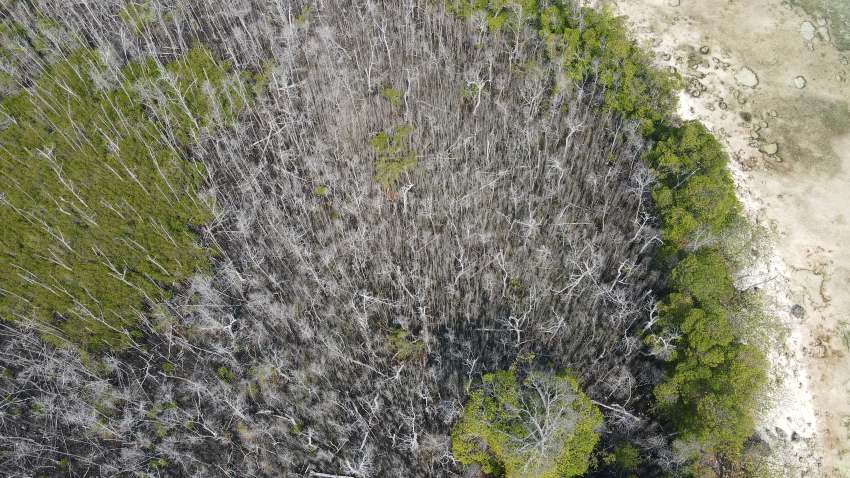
(807, 31)
(770, 149)
(747, 77)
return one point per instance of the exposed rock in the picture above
(800, 82)
(696, 88)
(747, 77)
(807, 31)
(798, 311)
(769, 149)
(704, 50)
(757, 444)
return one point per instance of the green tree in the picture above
(393, 156)
(685, 151)
(714, 380)
(695, 190)
(543, 427)
(704, 275)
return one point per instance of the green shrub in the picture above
(714, 381)
(684, 151)
(627, 457)
(394, 157)
(392, 95)
(705, 276)
(402, 347)
(544, 427)
(225, 374)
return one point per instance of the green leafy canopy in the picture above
(99, 209)
(542, 427)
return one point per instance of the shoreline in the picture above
(769, 88)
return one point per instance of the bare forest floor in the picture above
(767, 79)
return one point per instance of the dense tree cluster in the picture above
(715, 377)
(356, 239)
(695, 195)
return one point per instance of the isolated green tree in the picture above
(543, 427)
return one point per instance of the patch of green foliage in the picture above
(496, 13)
(392, 95)
(263, 78)
(138, 16)
(589, 44)
(402, 347)
(304, 16)
(626, 457)
(158, 463)
(543, 427)
(394, 156)
(225, 374)
(711, 391)
(99, 209)
(695, 193)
